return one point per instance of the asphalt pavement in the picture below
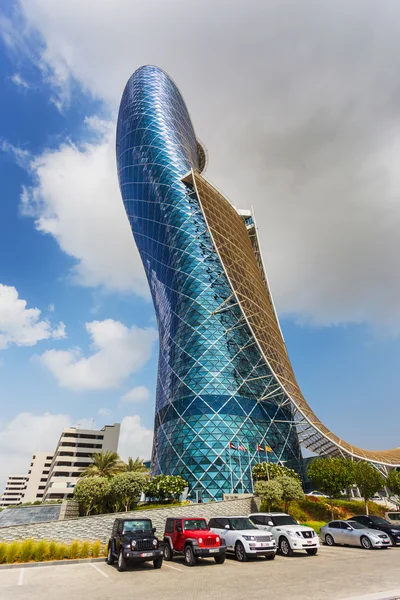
(338, 573)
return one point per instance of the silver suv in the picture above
(287, 532)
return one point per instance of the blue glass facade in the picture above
(211, 375)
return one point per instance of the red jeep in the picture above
(191, 538)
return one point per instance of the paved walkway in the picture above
(334, 574)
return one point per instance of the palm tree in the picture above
(105, 464)
(136, 465)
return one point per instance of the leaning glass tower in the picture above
(219, 402)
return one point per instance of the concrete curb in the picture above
(52, 563)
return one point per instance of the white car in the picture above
(242, 538)
(317, 494)
(288, 534)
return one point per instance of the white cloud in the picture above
(136, 394)
(75, 198)
(134, 440)
(104, 412)
(20, 325)
(298, 126)
(20, 155)
(117, 352)
(18, 80)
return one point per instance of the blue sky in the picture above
(307, 137)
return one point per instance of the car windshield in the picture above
(241, 523)
(139, 525)
(356, 525)
(394, 516)
(379, 521)
(195, 524)
(283, 520)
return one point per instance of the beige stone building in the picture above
(52, 476)
(13, 491)
(73, 454)
(38, 475)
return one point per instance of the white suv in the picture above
(288, 534)
(242, 538)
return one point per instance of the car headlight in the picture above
(200, 540)
(217, 540)
(375, 535)
(293, 534)
(249, 538)
(155, 543)
(133, 543)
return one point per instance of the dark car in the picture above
(192, 539)
(375, 522)
(133, 541)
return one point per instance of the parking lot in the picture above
(334, 574)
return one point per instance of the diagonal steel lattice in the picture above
(224, 374)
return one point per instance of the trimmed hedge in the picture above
(43, 550)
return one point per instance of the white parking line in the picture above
(171, 567)
(99, 570)
(21, 577)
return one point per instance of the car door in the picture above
(348, 534)
(177, 537)
(118, 536)
(227, 534)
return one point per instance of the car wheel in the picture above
(312, 551)
(167, 551)
(121, 565)
(157, 563)
(190, 558)
(270, 556)
(110, 558)
(240, 552)
(329, 541)
(220, 559)
(284, 547)
(366, 542)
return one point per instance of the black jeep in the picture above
(133, 540)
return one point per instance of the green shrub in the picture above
(61, 552)
(73, 550)
(12, 552)
(317, 509)
(3, 548)
(40, 551)
(26, 550)
(85, 549)
(96, 549)
(297, 513)
(316, 525)
(52, 551)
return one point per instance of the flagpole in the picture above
(251, 474)
(230, 462)
(240, 467)
(267, 464)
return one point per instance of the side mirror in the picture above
(154, 529)
(270, 523)
(227, 527)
